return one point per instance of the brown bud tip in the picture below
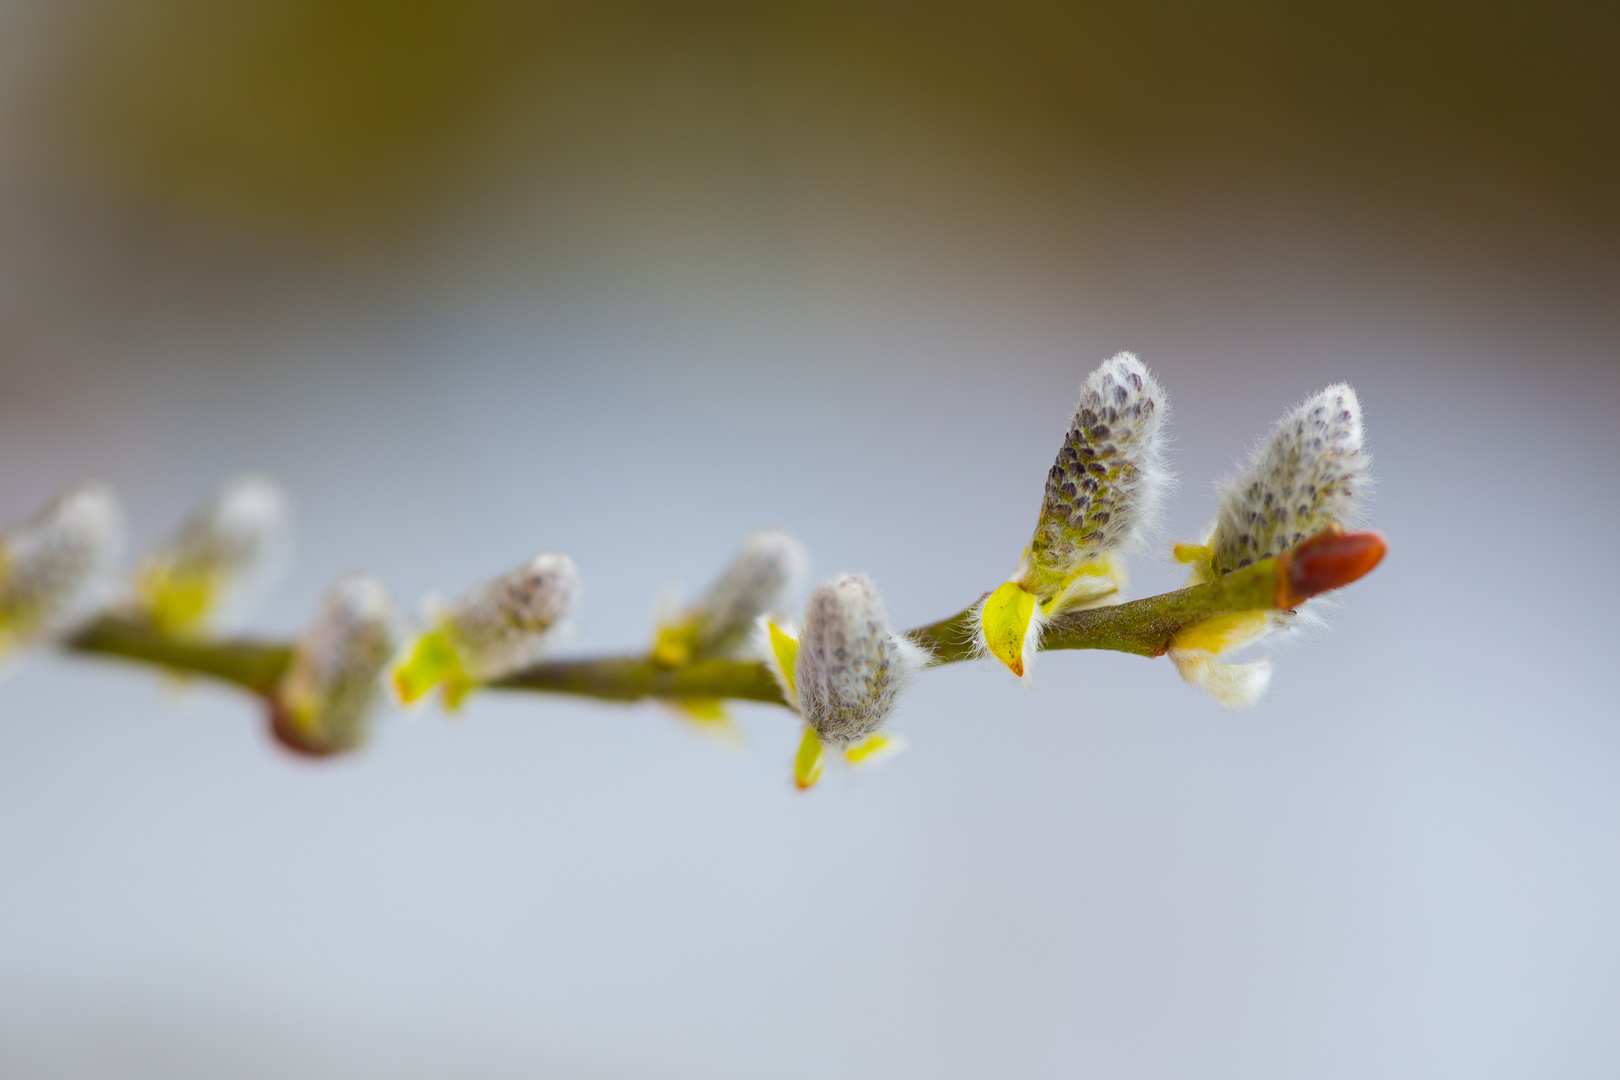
(281, 727)
(1329, 560)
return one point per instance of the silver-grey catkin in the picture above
(768, 569)
(852, 668)
(50, 564)
(334, 679)
(1310, 472)
(1104, 489)
(504, 625)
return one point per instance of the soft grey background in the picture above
(1406, 862)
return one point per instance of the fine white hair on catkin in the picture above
(52, 565)
(333, 679)
(505, 625)
(852, 668)
(1104, 492)
(1236, 686)
(1309, 473)
(770, 567)
(245, 519)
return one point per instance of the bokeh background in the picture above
(478, 278)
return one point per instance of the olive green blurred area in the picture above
(345, 120)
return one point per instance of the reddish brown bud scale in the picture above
(1329, 560)
(281, 727)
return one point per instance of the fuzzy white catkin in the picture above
(51, 564)
(246, 517)
(333, 680)
(503, 626)
(769, 568)
(852, 668)
(1104, 490)
(227, 547)
(1309, 473)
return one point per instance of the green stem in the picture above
(1143, 627)
(256, 666)
(632, 678)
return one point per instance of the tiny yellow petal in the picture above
(706, 709)
(1192, 553)
(1103, 567)
(675, 644)
(456, 687)
(1093, 585)
(709, 718)
(177, 603)
(1005, 618)
(807, 764)
(874, 747)
(1221, 633)
(431, 661)
(787, 654)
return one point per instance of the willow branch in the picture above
(256, 666)
(1143, 627)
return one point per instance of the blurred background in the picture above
(478, 278)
